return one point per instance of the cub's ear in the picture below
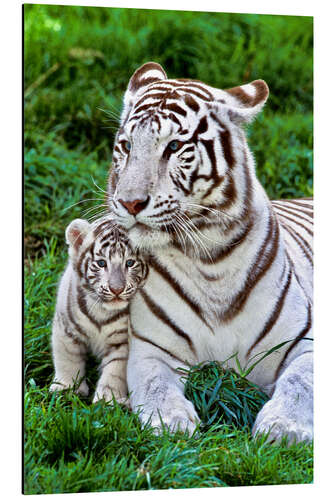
(76, 232)
(246, 101)
(150, 72)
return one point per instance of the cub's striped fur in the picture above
(230, 271)
(102, 276)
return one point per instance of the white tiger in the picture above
(230, 271)
(102, 276)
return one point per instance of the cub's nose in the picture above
(117, 291)
(134, 207)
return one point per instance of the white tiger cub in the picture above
(230, 271)
(102, 275)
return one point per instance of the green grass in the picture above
(77, 63)
(56, 178)
(72, 446)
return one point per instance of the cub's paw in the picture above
(278, 426)
(61, 386)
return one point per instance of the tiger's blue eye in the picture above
(130, 263)
(101, 263)
(127, 145)
(174, 145)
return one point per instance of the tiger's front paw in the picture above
(179, 415)
(277, 426)
(106, 393)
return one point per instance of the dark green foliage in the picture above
(283, 152)
(72, 446)
(78, 61)
(98, 49)
(60, 185)
(220, 395)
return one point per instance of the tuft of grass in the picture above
(220, 395)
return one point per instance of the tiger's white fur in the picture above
(230, 271)
(102, 276)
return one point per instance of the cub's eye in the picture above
(127, 145)
(174, 145)
(130, 263)
(101, 263)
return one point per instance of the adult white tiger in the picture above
(229, 270)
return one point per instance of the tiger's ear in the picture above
(246, 101)
(149, 73)
(76, 232)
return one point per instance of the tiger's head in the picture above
(106, 266)
(180, 156)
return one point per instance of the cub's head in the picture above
(180, 152)
(104, 261)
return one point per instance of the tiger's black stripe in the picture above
(225, 251)
(156, 358)
(300, 204)
(295, 273)
(81, 300)
(115, 317)
(191, 103)
(162, 316)
(301, 242)
(122, 358)
(296, 211)
(148, 341)
(158, 268)
(109, 348)
(185, 87)
(175, 108)
(174, 118)
(118, 332)
(225, 138)
(89, 249)
(75, 339)
(70, 314)
(258, 269)
(201, 129)
(188, 83)
(299, 337)
(296, 215)
(209, 146)
(275, 314)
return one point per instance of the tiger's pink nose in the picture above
(117, 291)
(134, 207)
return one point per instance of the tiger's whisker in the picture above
(82, 201)
(189, 234)
(192, 228)
(216, 212)
(86, 212)
(200, 232)
(98, 215)
(180, 236)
